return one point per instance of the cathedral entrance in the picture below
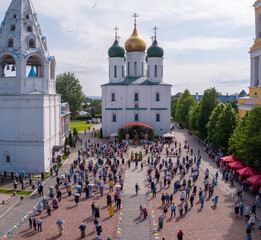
(136, 131)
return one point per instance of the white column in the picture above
(259, 72)
(253, 72)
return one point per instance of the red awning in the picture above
(248, 171)
(229, 159)
(237, 165)
(255, 180)
(136, 124)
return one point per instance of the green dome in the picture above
(116, 50)
(155, 50)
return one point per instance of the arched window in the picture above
(14, 15)
(115, 71)
(29, 28)
(114, 119)
(156, 71)
(136, 97)
(142, 69)
(136, 117)
(12, 27)
(128, 69)
(135, 69)
(8, 67)
(113, 97)
(27, 16)
(31, 43)
(34, 67)
(122, 71)
(10, 42)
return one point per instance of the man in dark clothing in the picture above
(191, 200)
(118, 204)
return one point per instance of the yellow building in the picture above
(254, 99)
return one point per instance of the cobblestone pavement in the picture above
(134, 227)
(217, 223)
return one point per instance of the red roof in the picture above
(255, 180)
(237, 165)
(248, 171)
(229, 159)
(136, 124)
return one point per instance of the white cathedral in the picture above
(136, 96)
(29, 106)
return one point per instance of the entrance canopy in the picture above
(136, 124)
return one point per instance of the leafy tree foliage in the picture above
(207, 104)
(174, 102)
(96, 107)
(224, 127)
(211, 126)
(245, 142)
(71, 91)
(185, 102)
(193, 116)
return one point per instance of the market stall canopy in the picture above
(229, 159)
(136, 124)
(248, 171)
(168, 135)
(255, 180)
(237, 165)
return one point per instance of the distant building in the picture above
(247, 103)
(178, 95)
(65, 121)
(222, 98)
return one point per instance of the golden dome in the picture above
(135, 43)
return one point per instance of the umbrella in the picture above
(69, 185)
(118, 186)
(78, 187)
(102, 186)
(60, 222)
(90, 185)
(62, 177)
(76, 195)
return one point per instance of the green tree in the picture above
(246, 140)
(101, 133)
(71, 91)
(207, 104)
(193, 116)
(211, 126)
(185, 102)
(174, 102)
(224, 127)
(70, 139)
(151, 135)
(96, 107)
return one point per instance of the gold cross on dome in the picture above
(135, 18)
(155, 32)
(116, 32)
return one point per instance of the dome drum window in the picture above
(10, 42)
(31, 43)
(13, 28)
(29, 28)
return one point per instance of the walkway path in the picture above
(134, 227)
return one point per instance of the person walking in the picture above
(154, 191)
(82, 228)
(30, 222)
(34, 223)
(48, 208)
(60, 229)
(108, 200)
(59, 195)
(118, 204)
(202, 201)
(111, 210)
(111, 186)
(99, 230)
(215, 200)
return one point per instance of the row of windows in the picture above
(135, 69)
(136, 97)
(31, 43)
(26, 16)
(115, 71)
(29, 28)
(136, 117)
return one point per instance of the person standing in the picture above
(30, 222)
(118, 203)
(180, 235)
(137, 188)
(173, 210)
(34, 223)
(160, 220)
(111, 210)
(99, 230)
(154, 191)
(15, 184)
(191, 200)
(39, 224)
(108, 200)
(202, 201)
(215, 200)
(82, 228)
(111, 186)
(48, 208)
(60, 229)
(59, 195)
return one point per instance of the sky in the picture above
(206, 42)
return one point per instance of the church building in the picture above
(254, 99)
(136, 97)
(30, 108)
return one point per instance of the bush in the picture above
(101, 134)
(151, 135)
(83, 118)
(121, 134)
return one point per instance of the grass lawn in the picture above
(80, 125)
(46, 175)
(18, 192)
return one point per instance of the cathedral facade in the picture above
(136, 94)
(29, 106)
